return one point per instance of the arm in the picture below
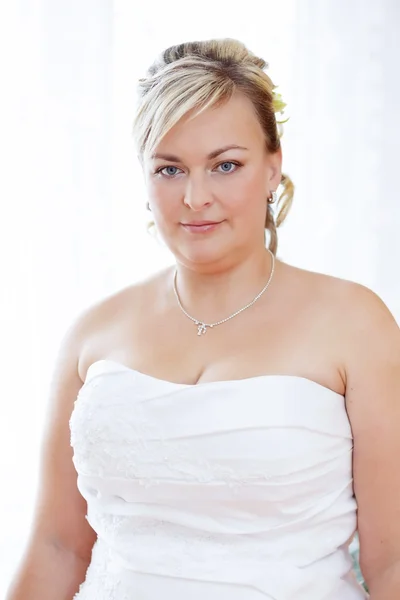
(373, 404)
(59, 548)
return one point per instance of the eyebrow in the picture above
(213, 154)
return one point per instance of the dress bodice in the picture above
(236, 490)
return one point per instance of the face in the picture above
(196, 174)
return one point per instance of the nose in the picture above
(197, 196)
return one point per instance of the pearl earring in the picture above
(273, 199)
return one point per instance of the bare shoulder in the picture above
(360, 310)
(372, 338)
(133, 296)
(359, 319)
(352, 301)
(101, 323)
(315, 282)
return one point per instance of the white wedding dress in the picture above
(229, 490)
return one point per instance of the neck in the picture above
(212, 296)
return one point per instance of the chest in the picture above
(170, 346)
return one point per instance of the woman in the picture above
(218, 401)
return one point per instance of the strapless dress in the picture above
(236, 490)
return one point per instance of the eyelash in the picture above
(225, 162)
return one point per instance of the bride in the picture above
(221, 429)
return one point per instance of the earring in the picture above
(273, 199)
(148, 206)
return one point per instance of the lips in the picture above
(201, 226)
(201, 223)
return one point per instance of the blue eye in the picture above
(228, 163)
(168, 174)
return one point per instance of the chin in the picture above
(202, 256)
(197, 251)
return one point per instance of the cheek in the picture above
(243, 192)
(164, 199)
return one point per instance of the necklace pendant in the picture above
(201, 328)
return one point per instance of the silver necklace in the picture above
(201, 326)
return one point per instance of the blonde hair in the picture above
(194, 76)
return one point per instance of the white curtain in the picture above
(344, 142)
(73, 222)
(56, 210)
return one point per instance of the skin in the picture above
(214, 190)
(334, 332)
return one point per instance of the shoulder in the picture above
(372, 337)
(96, 325)
(356, 314)
(361, 312)
(140, 298)
(329, 294)
(351, 300)
(133, 295)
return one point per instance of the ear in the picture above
(274, 171)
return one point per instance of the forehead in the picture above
(233, 122)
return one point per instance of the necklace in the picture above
(201, 326)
